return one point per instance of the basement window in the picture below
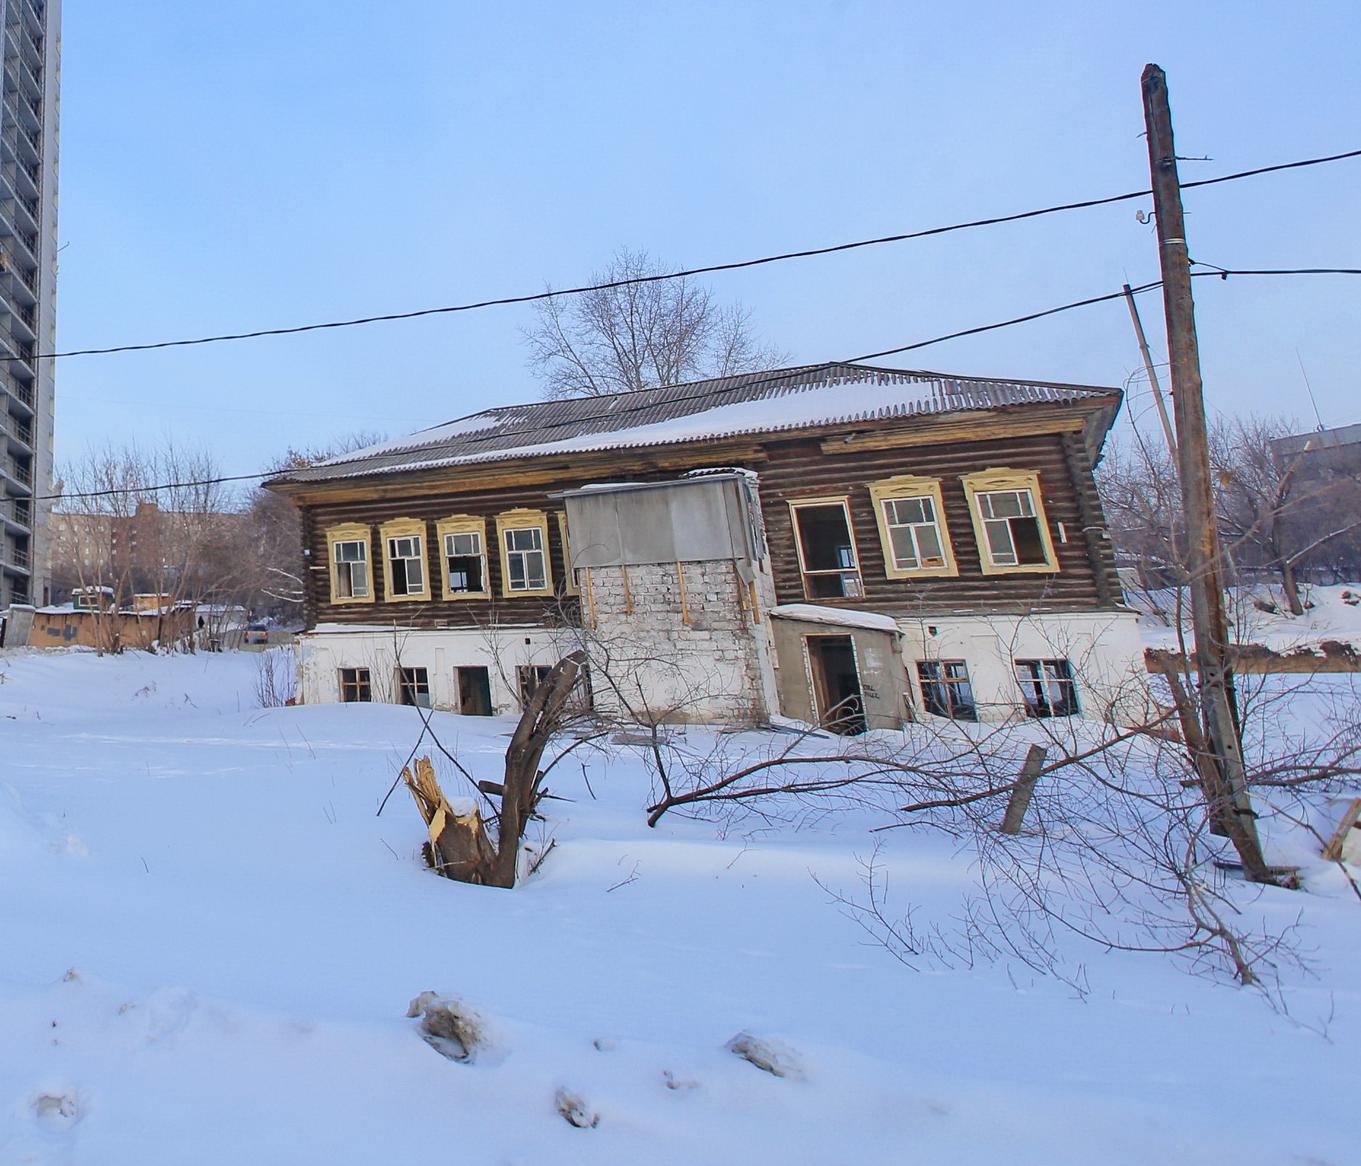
(413, 687)
(827, 559)
(946, 691)
(1047, 688)
(528, 678)
(355, 685)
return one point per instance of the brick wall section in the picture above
(700, 661)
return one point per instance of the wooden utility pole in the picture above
(1228, 799)
(1152, 373)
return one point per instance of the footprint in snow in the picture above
(168, 1011)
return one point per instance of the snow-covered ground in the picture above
(1331, 613)
(208, 942)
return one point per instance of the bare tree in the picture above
(151, 522)
(639, 335)
(1273, 516)
(276, 561)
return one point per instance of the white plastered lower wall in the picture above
(1104, 649)
(324, 651)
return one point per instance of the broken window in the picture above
(355, 685)
(528, 678)
(465, 563)
(1047, 688)
(826, 550)
(914, 533)
(350, 566)
(1012, 528)
(946, 691)
(406, 565)
(413, 686)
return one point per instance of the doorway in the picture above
(474, 691)
(837, 697)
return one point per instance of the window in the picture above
(1047, 688)
(1008, 516)
(404, 549)
(352, 569)
(909, 512)
(413, 687)
(524, 553)
(347, 550)
(355, 685)
(528, 678)
(463, 563)
(946, 691)
(822, 534)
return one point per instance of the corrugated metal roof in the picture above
(808, 396)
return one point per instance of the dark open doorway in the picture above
(474, 691)
(836, 683)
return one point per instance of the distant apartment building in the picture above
(28, 251)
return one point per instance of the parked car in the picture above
(255, 633)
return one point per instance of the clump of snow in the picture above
(837, 616)
(448, 1026)
(771, 1056)
(575, 1111)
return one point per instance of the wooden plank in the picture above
(1333, 851)
(1019, 802)
(979, 426)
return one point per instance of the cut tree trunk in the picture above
(459, 847)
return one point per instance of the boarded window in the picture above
(351, 566)
(355, 685)
(946, 691)
(1047, 688)
(826, 550)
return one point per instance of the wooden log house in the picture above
(843, 543)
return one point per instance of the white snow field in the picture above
(208, 943)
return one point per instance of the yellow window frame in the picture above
(844, 501)
(569, 582)
(463, 524)
(522, 518)
(350, 532)
(405, 528)
(1005, 478)
(912, 486)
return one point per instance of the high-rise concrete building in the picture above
(28, 268)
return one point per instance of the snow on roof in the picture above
(837, 616)
(781, 400)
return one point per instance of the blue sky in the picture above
(228, 167)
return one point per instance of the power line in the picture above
(709, 269)
(1221, 272)
(615, 413)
